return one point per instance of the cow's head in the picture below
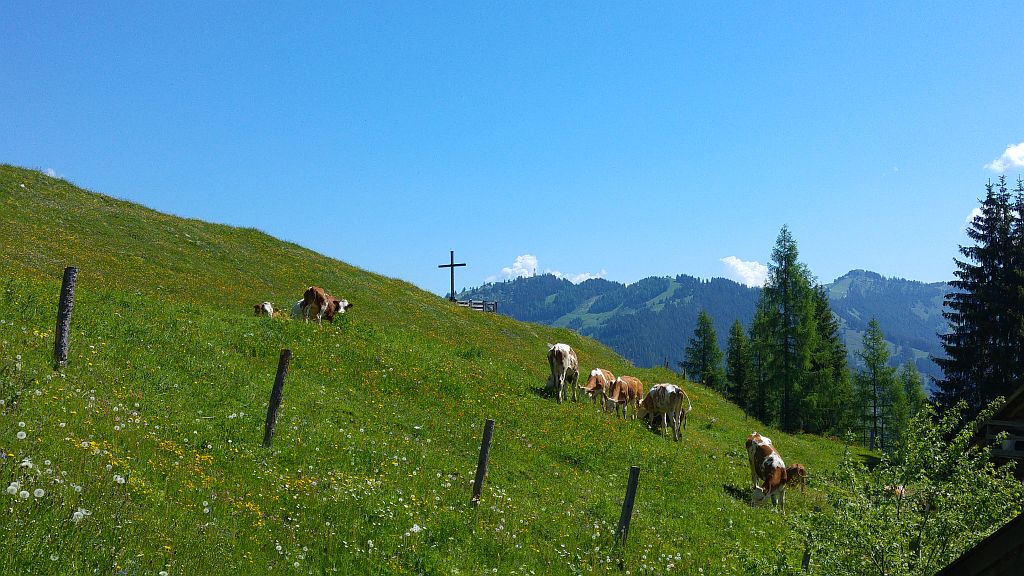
(256, 309)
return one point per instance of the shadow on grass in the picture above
(737, 493)
(869, 460)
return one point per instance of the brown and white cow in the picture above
(625, 391)
(796, 475)
(564, 370)
(264, 309)
(766, 465)
(599, 384)
(317, 302)
(665, 400)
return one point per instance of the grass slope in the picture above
(147, 447)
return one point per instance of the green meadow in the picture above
(144, 454)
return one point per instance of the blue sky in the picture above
(620, 140)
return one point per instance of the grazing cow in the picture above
(767, 466)
(599, 383)
(625, 391)
(665, 400)
(264, 309)
(317, 302)
(564, 370)
(796, 475)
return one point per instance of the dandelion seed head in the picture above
(39, 493)
(21, 435)
(23, 494)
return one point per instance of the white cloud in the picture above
(577, 278)
(1013, 156)
(974, 214)
(526, 265)
(749, 273)
(51, 172)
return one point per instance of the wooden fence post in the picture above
(275, 397)
(481, 464)
(807, 557)
(67, 301)
(622, 531)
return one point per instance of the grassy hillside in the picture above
(147, 453)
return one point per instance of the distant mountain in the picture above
(650, 321)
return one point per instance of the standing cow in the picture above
(317, 302)
(766, 465)
(564, 370)
(599, 384)
(666, 400)
(626, 391)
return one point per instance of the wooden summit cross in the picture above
(451, 265)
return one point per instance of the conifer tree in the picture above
(876, 383)
(788, 327)
(739, 369)
(984, 345)
(703, 358)
(766, 403)
(828, 393)
(913, 389)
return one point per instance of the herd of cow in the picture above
(315, 303)
(616, 395)
(769, 473)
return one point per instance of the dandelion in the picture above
(79, 515)
(39, 493)
(21, 435)
(416, 528)
(26, 462)
(118, 478)
(54, 557)
(21, 424)
(23, 494)
(13, 488)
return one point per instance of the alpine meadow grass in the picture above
(144, 454)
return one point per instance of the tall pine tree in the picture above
(877, 388)
(703, 358)
(788, 329)
(739, 368)
(828, 394)
(984, 345)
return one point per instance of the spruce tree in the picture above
(703, 358)
(913, 389)
(828, 393)
(984, 345)
(788, 328)
(739, 368)
(876, 383)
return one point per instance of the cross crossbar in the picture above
(451, 266)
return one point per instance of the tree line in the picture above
(790, 368)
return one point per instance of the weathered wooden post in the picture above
(481, 464)
(622, 531)
(67, 301)
(806, 562)
(275, 396)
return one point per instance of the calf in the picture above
(625, 391)
(317, 302)
(599, 383)
(796, 475)
(264, 309)
(564, 370)
(665, 400)
(767, 466)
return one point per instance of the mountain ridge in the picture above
(651, 320)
